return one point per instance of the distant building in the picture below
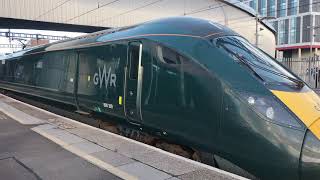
(36, 42)
(293, 21)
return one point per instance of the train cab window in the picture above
(167, 56)
(256, 60)
(172, 87)
(134, 50)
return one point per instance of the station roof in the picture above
(176, 26)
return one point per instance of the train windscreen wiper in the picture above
(244, 62)
(249, 65)
(298, 82)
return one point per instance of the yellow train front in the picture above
(189, 81)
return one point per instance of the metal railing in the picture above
(308, 69)
(32, 36)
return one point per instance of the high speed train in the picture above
(190, 81)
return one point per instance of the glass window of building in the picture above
(306, 22)
(253, 4)
(293, 30)
(281, 8)
(317, 30)
(262, 7)
(304, 6)
(271, 8)
(292, 7)
(281, 32)
(316, 5)
(298, 30)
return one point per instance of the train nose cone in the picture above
(310, 157)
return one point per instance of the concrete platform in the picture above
(120, 156)
(26, 155)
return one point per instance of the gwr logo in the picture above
(103, 77)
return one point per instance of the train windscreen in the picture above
(255, 59)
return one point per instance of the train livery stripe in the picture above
(306, 105)
(315, 128)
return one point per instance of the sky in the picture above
(4, 40)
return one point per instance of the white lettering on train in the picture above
(109, 79)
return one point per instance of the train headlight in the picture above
(251, 100)
(270, 109)
(270, 113)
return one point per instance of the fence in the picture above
(308, 69)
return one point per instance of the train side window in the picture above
(167, 55)
(134, 49)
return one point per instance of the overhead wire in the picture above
(163, 0)
(253, 18)
(52, 9)
(129, 11)
(245, 18)
(211, 7)
(242, 18)
(203, 9)
(87, 12)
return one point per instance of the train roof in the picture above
(182, 26)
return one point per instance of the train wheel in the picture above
(175, 149)
(108, 127)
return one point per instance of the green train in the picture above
(190, 81)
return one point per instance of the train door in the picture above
(133, 82)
